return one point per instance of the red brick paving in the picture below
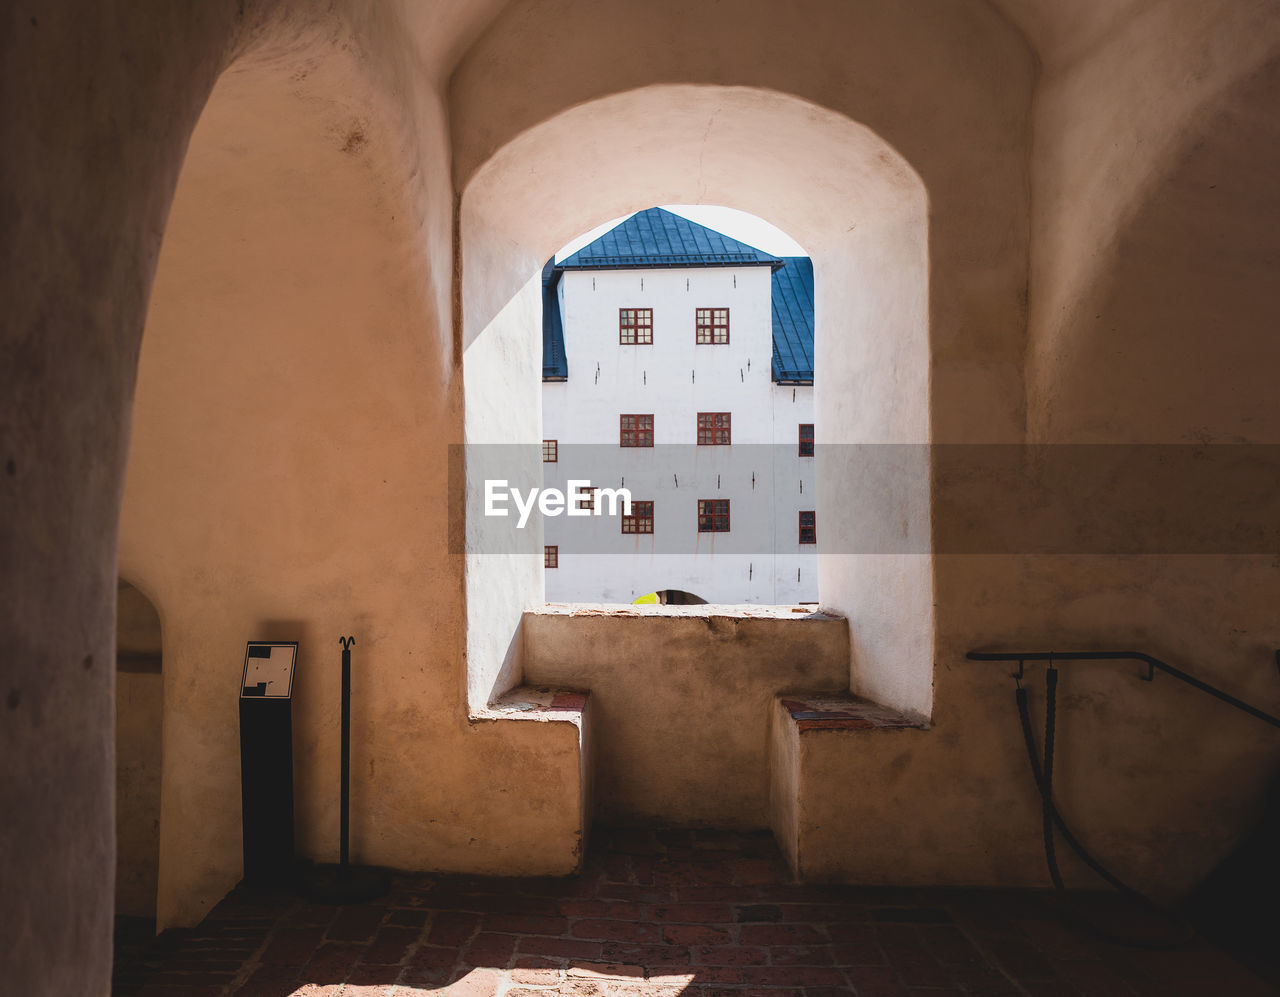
(699, 913)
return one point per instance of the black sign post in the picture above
(346, 883)
(266, 761)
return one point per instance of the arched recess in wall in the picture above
(139, 721)
(678, 597)
(285, 476)
(860, 209)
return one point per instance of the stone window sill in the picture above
(730, 611)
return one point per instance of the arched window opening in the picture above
(860, 211)
(671, 597)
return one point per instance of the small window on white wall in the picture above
(806, 439)
(635, 326)
(713, 515)
(635, 430)
(715, 429)
(640, 519)
(712, 326)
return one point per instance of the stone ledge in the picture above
(539, 704)
(846, 713)
(731, 611)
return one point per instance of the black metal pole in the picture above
(346, 883)
(344, 808)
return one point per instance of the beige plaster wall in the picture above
(912, 199)
(139, 712)
(139, 720)
(137, 624)
(943, 89)
(1061, 33)
(681, 701)
(970, 768)
(502, 388)
(297, 394)
(1140, 255)
(872, 390)
(1157, 779)
(784, 784)
(110, 93)
(289, 380)
(1152, 313)
(848, 194)
(87, 174)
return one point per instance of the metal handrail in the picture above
(1153, 665)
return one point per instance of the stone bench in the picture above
(809, 737)
(545, 745)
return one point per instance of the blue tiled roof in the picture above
(658, 238)
(793, 321)
(555, 365)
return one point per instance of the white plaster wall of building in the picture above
(673, 379)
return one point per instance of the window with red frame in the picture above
(640, 520)
(635, 431)
(550, 451)
(551, 557)
(808, 527)
(712, 326)
(806, 439)
(714, 429)
(635, 326)
(713, 515)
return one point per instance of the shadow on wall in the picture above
(1192, 287)
(139, 712)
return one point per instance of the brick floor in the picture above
(656, 913)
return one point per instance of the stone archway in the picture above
(838, 188)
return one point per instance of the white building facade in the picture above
(681, 371)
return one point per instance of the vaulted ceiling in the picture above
(1059, 31)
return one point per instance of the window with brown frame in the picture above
(635, 326)
(808, 527)
(635, 430)
(712, 326)
(550, 451)
(714, 429)
(640, 519)
(713, 515)
(587, 500)
(806, 439)
(551, 557)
